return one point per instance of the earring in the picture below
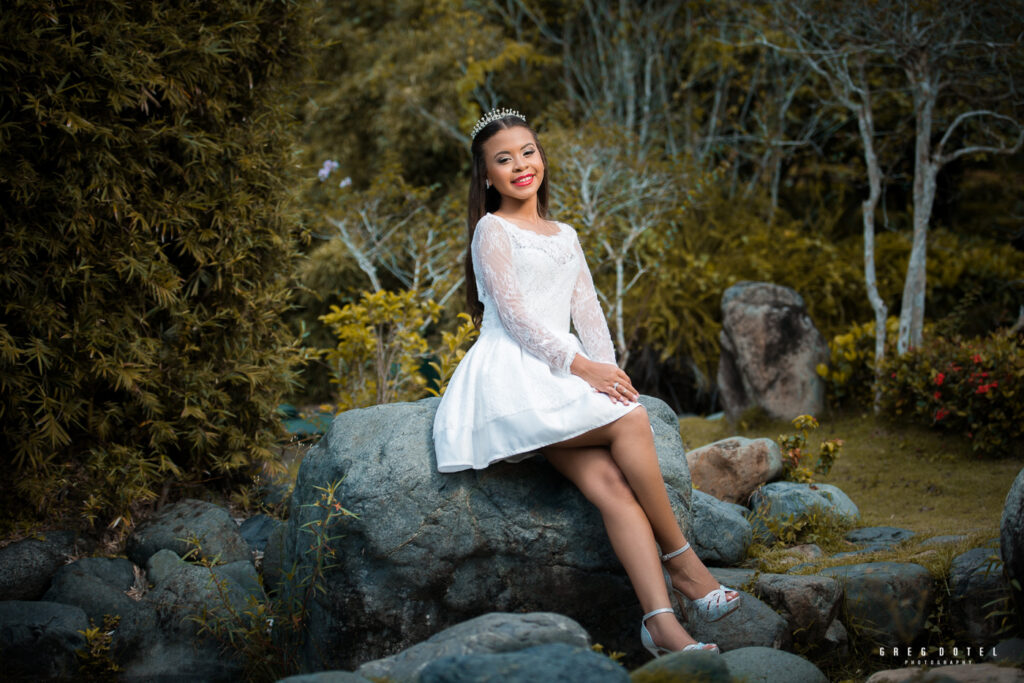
(487, 183)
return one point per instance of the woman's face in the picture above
(514, 164)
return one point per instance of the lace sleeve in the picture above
(587, 316)
(491, 249)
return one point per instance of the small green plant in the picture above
(613, 655)
(795, 456)
(95, 659)
(850, 373)
(267, 633)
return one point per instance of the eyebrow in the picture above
(505, 151)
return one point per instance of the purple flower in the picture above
(345, 182)
(325, 171)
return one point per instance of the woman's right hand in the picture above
(606, 378)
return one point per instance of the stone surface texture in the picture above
(730, 469)
(975, 583)
(1011, 537)
(493, 633)
(754, 624)
(38, 640)
(809, 604)
(167, 529)
(783, 501)
(554, 663)
(889, 601)
(27, 565)
(878, 537)
(430, 550)
(770, 352)
(956, 673)
(721, 535)
(706, 667)
(767, 665)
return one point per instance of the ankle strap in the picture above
(657, 611)
(668, 556)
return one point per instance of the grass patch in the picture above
(897, 474)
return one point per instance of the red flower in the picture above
(938, 396)
(983, 388)
(893, 375)
(976, 358)
(941, 413)
(939, 379)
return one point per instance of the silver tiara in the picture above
(491, 117)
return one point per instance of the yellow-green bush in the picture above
(147, 245)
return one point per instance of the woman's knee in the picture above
(635, 422)
(607, 486)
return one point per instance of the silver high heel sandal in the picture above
(713, 606)
(657, 650)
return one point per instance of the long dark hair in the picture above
(483, 199)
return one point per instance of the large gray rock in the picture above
(770, 352)
(721, 535)
(975, 584)
(1011, 539)
(555, 663)
(888, 601)
(38, 640)
(732, 468)
(782, 502)
(429, 550)
(168, 529)
(753, 624)
(488, 634)
(766, 665)
(99, 585)
(27, 565)
(257, 530)
(706, 667)
(326, 677)
(809, 604)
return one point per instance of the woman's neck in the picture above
(524, 210)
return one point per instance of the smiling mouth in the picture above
(523, 179)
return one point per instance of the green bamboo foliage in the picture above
(146, 247)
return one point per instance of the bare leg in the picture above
(631, 445)
(598, 477)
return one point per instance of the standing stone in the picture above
(732, 468)
(429, 550)
(770, 352)
(553, 663)
(1011, 539)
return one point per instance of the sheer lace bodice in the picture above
(532, 285)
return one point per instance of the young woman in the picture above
(528, 384)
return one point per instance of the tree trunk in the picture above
(925, 171)
(865, 122)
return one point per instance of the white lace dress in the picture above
(513, 392)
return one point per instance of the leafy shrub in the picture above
(850, 373)
(147, 245)
(971, 387)
(381, 353)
